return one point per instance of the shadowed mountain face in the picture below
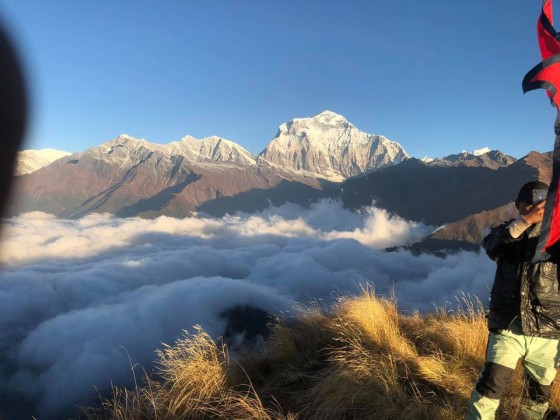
(304, 163)
(256, 199)
(443, 194)
(132, 177)
(464, 201)
(492, 159)
(148, 185)
(473, 228)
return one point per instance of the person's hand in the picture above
(534, 213)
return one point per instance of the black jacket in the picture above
(521, 288)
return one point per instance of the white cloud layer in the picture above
(74, 293)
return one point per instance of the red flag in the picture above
(546, 75)
(547, 35)
(549, 237)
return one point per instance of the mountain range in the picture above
(133, 177)
(463, 201)
(324, 156)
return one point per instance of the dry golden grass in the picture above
(361, 360)
(193, 384)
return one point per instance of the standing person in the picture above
(524, 317)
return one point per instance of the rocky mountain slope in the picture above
(465, 202)
(492, 159)
(466, 192)
(329, 146)
(473, 228)
(128, 176)
(442, 194)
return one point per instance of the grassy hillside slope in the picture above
(362, 360)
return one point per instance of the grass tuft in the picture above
(361, 359)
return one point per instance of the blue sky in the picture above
(437, 76)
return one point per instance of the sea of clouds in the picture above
(81, 299)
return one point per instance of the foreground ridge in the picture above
(363, 359)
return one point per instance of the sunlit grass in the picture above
(361, 359)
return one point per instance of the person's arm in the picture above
(498, 241)
(518, 226)
(500, 238)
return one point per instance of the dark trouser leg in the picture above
(492, 385)
(505, 348)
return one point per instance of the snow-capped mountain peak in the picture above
(124, 141)
(31, 160)
(482, 157)
(459, 156)
(325, 145)
(481, 152)
(315, 126)
(329, 118)
(328, 146)
(212, 149)
(125, 148)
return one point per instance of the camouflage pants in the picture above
(540, 358)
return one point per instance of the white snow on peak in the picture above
(321, 122)
(482, 151)
(329, 146)
(124, 144)
(478, 152)
(330, 118)
(125, 149)
(31, 160)
(427, 159)
(212, 149)
(325, 145)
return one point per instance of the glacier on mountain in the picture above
(328, 146)
(29, 161)
(325, 146)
